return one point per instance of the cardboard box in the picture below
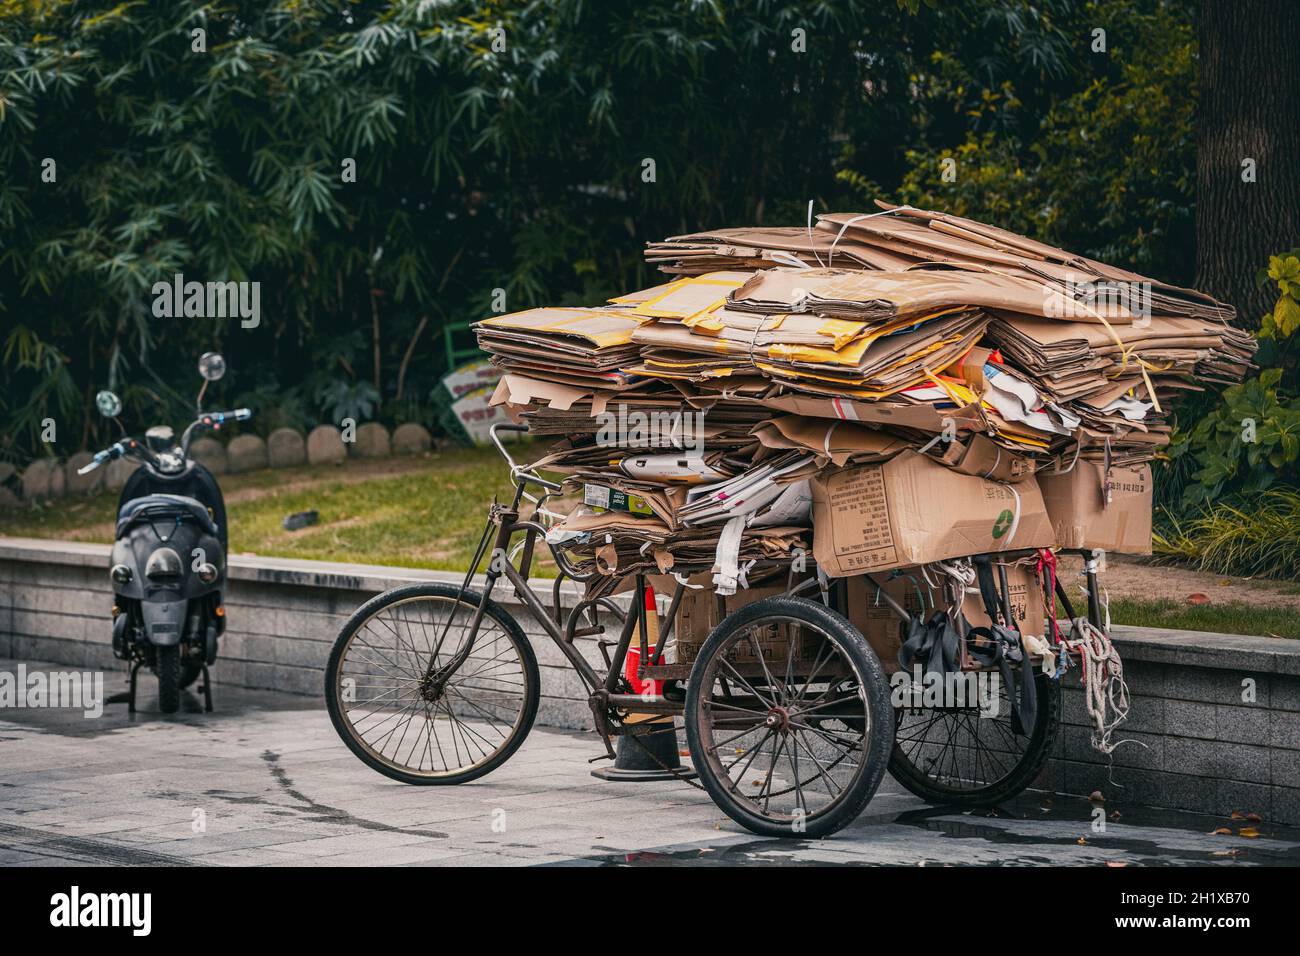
(884, 630)
(910, 510)
(1084, 518)
(984, 458)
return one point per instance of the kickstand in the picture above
(207, 691)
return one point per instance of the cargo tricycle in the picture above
(790, 718)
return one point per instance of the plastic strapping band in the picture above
(930, 444)
(727, 556)
(1078, 449)
(753, 339)
(1015, 521)
(994, 467)
(781, 257)
(810, 234)
(826, 442)
(871, 215)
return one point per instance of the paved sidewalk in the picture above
(265, 781)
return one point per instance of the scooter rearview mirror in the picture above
(109, 405)
(212, 366)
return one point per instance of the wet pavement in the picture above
(264, 781)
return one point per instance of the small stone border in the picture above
(47, 478)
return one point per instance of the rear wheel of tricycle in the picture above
(788, 718)
(402, 703)
(961, 758)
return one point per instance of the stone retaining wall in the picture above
(284, 448)
(1214, 726)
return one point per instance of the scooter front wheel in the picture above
(167, 665)
(401, 703)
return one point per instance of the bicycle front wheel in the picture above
(399, 704)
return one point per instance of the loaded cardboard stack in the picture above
(890, 389)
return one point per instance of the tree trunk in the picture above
(1249, 109)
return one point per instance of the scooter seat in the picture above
(138, 510)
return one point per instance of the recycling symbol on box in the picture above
(1003, 523)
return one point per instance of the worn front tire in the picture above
(394, 723)
(167, 665)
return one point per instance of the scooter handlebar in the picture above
(217, 419)
(115, 450)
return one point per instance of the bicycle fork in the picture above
(435, 677)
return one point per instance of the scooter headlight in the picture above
(207, 572)
(120, 574)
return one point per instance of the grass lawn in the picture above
(415, 513)
(1232, 618)
(429, 513)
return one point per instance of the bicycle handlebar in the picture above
(516, 471)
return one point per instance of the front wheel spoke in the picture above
(387, 712)
(822, 771)
(379, 697)
(827, 736)
(466, 731)
(744, 683)
(402, 672)
(408, 645)
(437, 742)
(758, 649)
(816, 668)
(804, 711)
(778, 745)
(398, 647)
(761, 714)
(378, 746)
(486, 664)
(800, 802)
(744, 733)
(491, 719)
(733, 779)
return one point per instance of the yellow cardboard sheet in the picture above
(600, 327)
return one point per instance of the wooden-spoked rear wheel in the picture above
(788, 718)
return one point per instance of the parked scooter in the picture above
(169, 559)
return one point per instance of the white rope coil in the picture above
(1105, 691)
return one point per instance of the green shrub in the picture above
(1250, 440)
(1258, 536)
